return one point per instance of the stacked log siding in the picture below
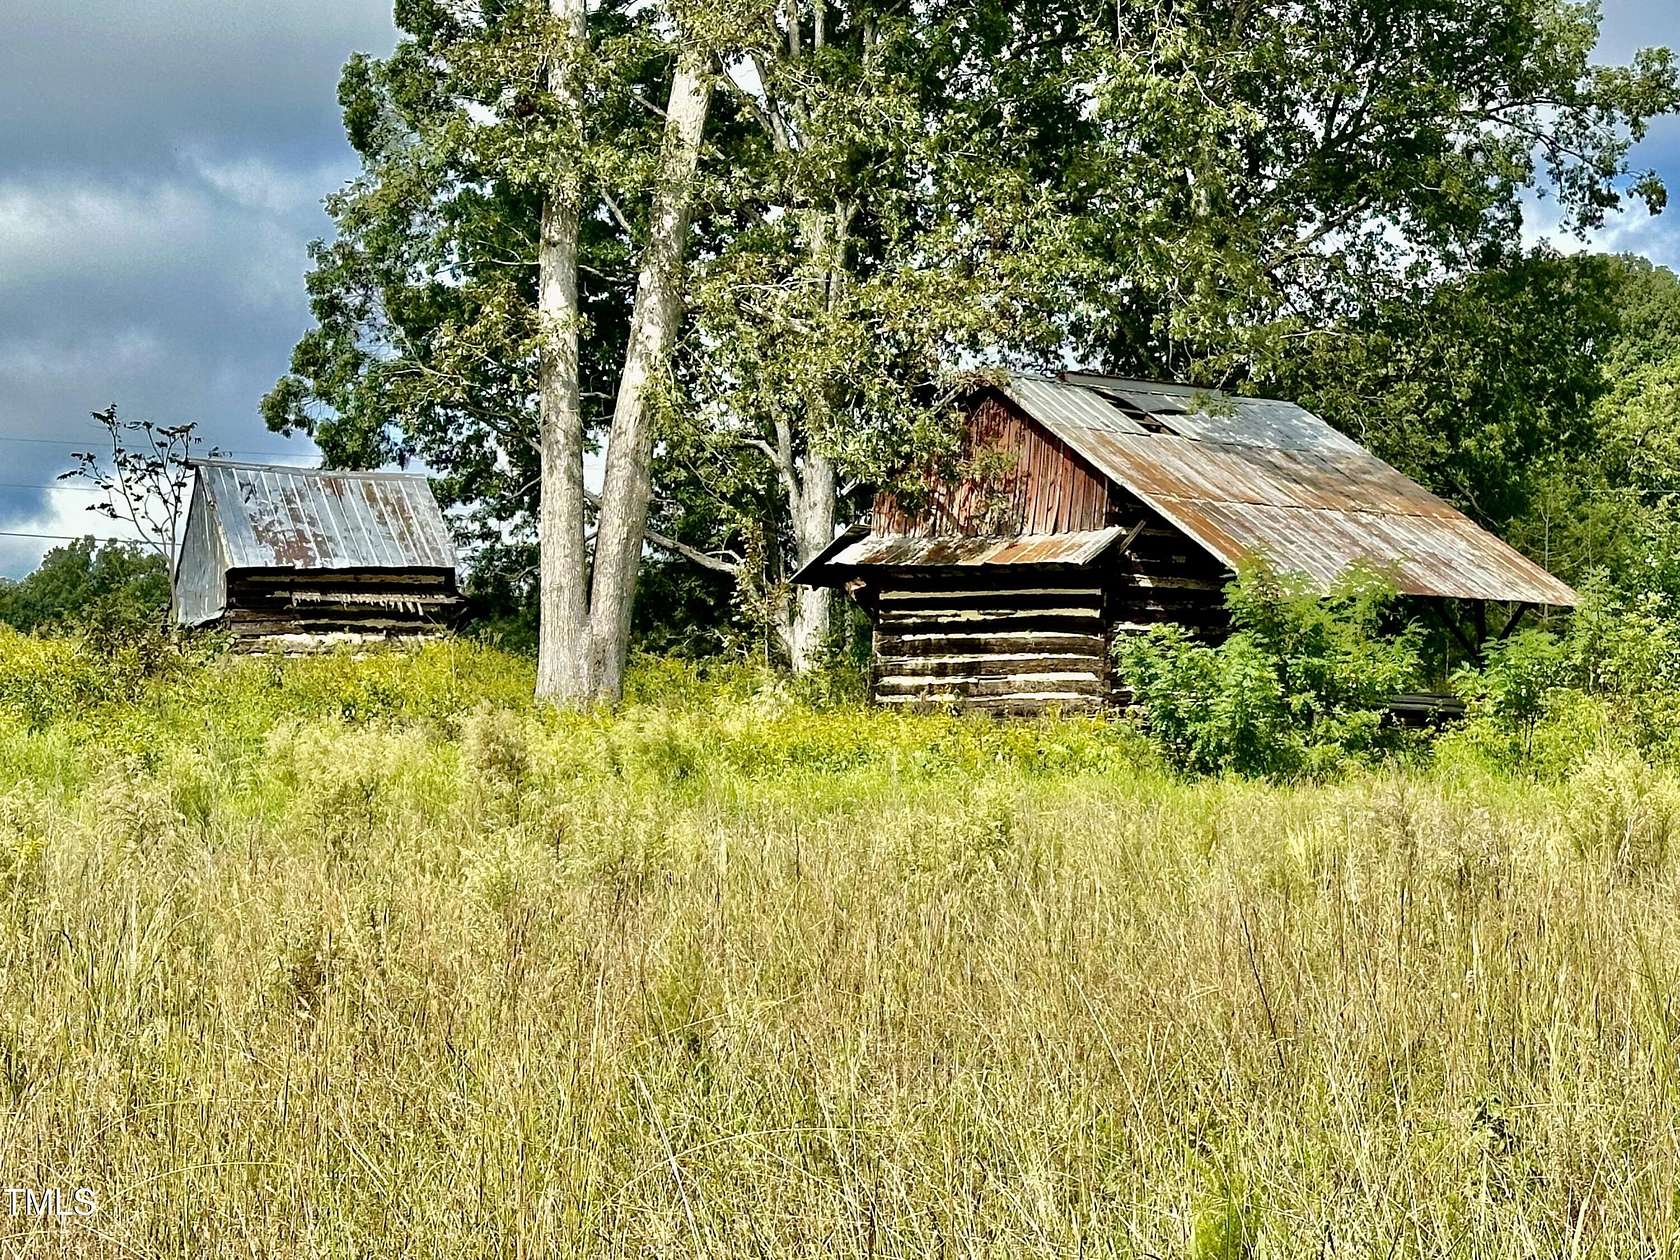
(1006, 646)
(302, 611)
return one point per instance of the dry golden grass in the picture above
(656, 986)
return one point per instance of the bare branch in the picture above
(705, 559)
(618, 214)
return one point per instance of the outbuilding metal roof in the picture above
(1255, 476)
(275, 517)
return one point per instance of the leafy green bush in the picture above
(1299, 688)
(1543, 702)
(1624, 647)
(1516, 687)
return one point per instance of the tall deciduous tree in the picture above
(884, 232)
(1327, 156)
(1196, 190)
(501, 144)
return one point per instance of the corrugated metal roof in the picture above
(1050, 402)
(859, 548)
(273, 517)
(1255, 476)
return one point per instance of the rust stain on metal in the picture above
(1246, 477)
(275, 517)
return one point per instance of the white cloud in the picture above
(1632, 231)
(63, 514)
(257, 184)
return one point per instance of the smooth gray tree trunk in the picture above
(810, 482)
(628, 487)
(812, 507)
(563, 608)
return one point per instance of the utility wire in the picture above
(10, 533)
(73, 445)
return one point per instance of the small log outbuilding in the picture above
(303, 559)
(1090, 506)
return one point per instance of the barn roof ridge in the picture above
(207, 461)
(1178, 389)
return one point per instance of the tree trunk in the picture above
(563, 609)
(812, 500)
(812, 508)
(627, 488)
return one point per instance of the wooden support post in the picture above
(1517, 615)
(1130, 538)
(1457, 631)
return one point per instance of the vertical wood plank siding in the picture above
(1041, 486)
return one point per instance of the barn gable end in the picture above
(199, 585)
(1020, 480)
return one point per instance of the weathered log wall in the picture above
(1163, 576)
(316, 611)
(1018, 639)
(1008, 642)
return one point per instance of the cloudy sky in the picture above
(162, 165)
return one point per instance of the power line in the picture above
(12, 533)
(71, 445)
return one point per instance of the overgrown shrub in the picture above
(1516, 686)
(1625, 647)
(1543, 702)
(1299, 688)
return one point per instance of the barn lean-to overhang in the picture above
(858, 548)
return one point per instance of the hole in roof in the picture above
(1148, 419)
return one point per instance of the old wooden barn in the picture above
(301, 559)
(1091, 506)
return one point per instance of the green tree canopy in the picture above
(1215, 190)
(1299, 164)
(84, 579)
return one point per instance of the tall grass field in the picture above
(351, 958)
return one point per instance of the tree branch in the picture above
(702, 558)
(617, 214)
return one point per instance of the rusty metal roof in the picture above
(859, 548)
(275, 517)
(1255, 476)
